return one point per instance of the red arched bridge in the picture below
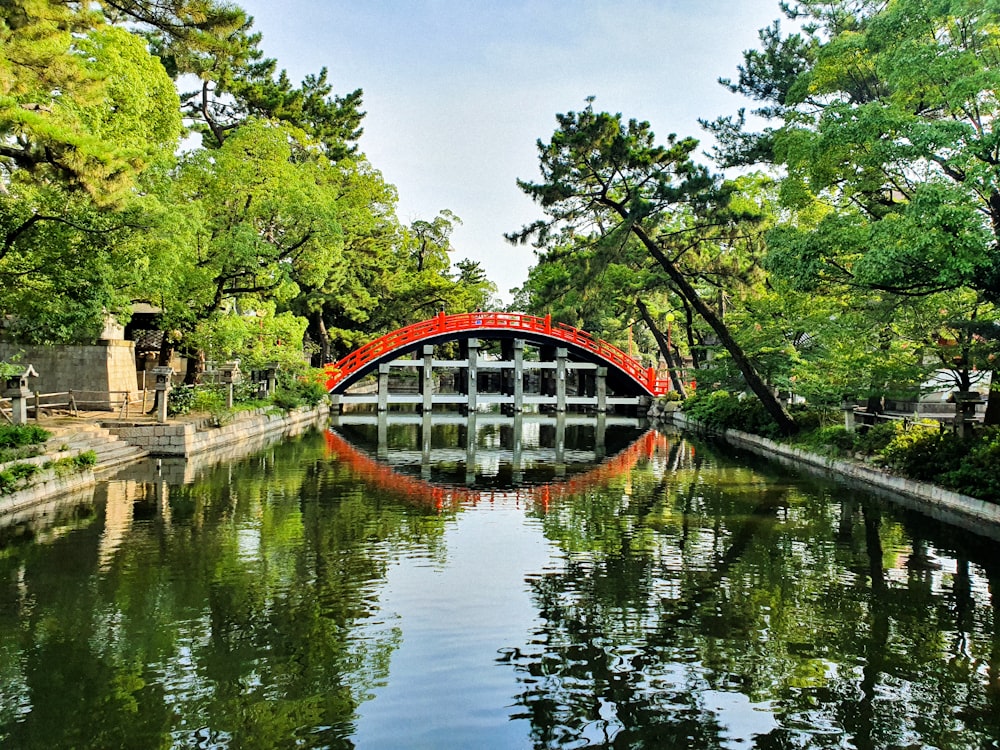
(623, 369)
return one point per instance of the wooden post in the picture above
(561, 354)
(383, 387)
(518, 375)
(427, 381)
(602, 390)
(473, 375)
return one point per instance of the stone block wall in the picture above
(179, 439)
(86, 370)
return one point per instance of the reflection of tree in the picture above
(688, 580)
(247, 619)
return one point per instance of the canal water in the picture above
(574, 585)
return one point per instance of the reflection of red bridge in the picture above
(494, 325)
(441, 496)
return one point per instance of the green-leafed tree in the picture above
(70, 214)
(602, 174)
(264, 214)
(883, 116)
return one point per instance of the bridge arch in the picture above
(440, 496)
(493, 325)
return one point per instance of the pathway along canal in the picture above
(681, 596)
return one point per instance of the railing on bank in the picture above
(125, 403)
(443, 324)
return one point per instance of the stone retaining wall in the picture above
(109, 366)
(188, 439)
(932, 499)
(248, 432)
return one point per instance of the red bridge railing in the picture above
(442, 324)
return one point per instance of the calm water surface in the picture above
(545, 588)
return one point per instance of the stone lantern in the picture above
(163, 387)
(230, 376)
(18, 392)
(847, 405)
(271, 377)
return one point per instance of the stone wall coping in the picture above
(930, 495)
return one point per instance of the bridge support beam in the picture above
(602, 390)
(518, 376)
(382, 445)
(383, 387)
(427, 381)
(561, 354)
(517, 471)
(472, 375)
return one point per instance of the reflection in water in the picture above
(449, 585)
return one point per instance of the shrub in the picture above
(293, 392)
(970, 466)
(71, 464)
(924, 453)
(14, 475)
(877, 437)
(180, 400)
(18, 435)
(722, 410)
(835, 439)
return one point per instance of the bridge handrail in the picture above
(468, 322)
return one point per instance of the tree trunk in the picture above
(195, 367)
(319, 333)
(753, 379)
(664, 346)
(694, 346)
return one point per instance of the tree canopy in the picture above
(106, 200)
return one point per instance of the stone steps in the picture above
(111, 451)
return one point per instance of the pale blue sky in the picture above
(458, 93)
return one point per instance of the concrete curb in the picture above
(930, 496)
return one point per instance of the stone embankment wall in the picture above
(183, 439)
(191, 448)
(928, 498)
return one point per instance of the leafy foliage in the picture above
(723, 410)
(306, 390)
(16, 476)
(18, 435)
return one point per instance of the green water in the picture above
(680, 597)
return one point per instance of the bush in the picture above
(877, 438)
(13, 476)
(18, 435)
(181, 400)
(71, 464)
(966, 465)
(923, 453)
(722, 410)
(293, 392)
(834, 439)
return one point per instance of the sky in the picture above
(458, 92)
